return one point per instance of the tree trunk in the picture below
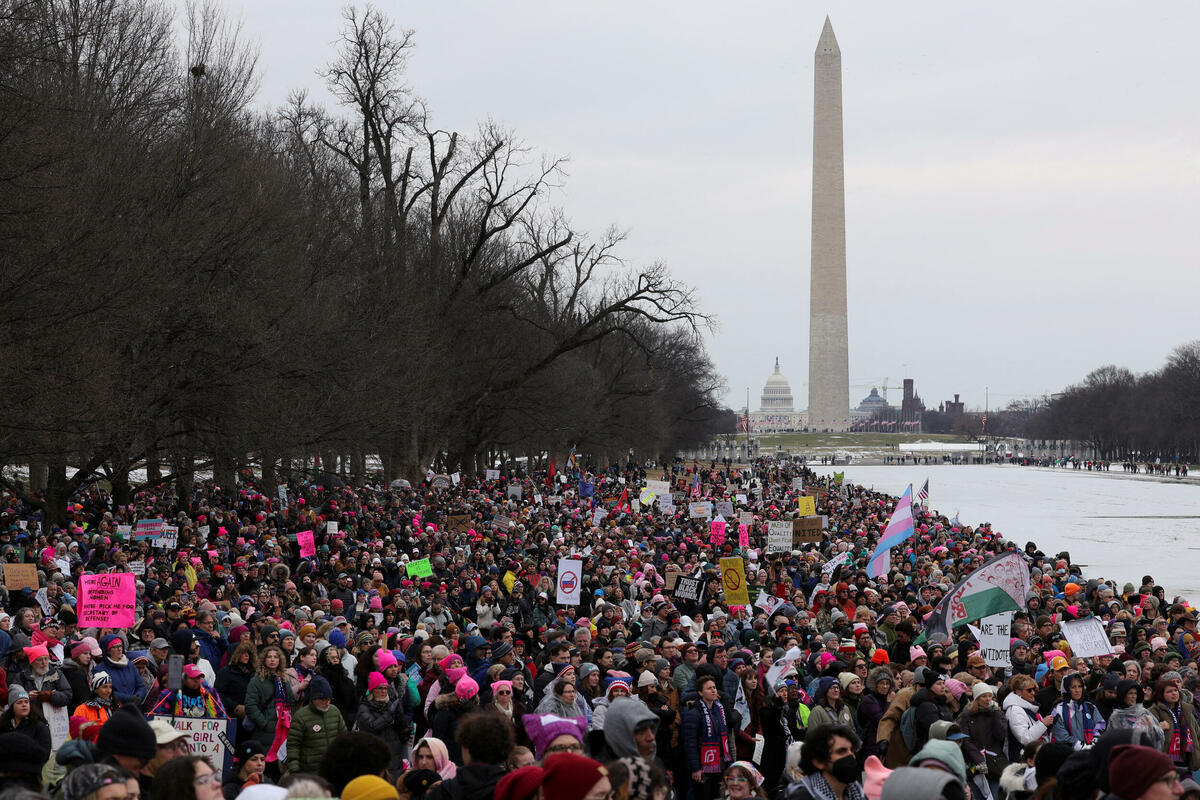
(225, 470)
(57, 492)
(270, 483)
(39, 473)
(121, 490)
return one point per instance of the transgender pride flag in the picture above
(899, 529)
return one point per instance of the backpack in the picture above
(908, 728)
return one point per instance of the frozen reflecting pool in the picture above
(1120, 528)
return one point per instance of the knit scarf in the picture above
(820, 789)
(1087, 712)
(714, 757)
(1181, 740)
(283, 719)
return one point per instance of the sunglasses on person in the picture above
(503, 692)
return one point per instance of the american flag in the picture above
(923, 494)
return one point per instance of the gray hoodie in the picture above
(623, 717)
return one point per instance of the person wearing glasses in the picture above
(743, 781)
(1142, 773)
(1021, 711)
(188, 778)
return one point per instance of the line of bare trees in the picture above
(186, 283)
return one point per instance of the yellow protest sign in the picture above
(806, 506)
(733, 581)
(509, 580)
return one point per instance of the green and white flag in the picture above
(1001, 584)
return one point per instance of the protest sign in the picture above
(798, 484)
(440, 481)
(779, 536)
(107, 600)
(666, 505)
(658, 488)
(331, 527)
(806, 530)
(688, 588)
(767, 602)
(725, 508)
(782, 665)
(806, 506)
(646, 496)
(137, 567)
(672, 576)
(20, 576)
(210, 738)
(733, 581)
(455, 477)
(700, 510)
(148, 528)
(1086, 637)
(124, 532)
(743, 536)
(716, 532)
(168, 538)
(514, 491)
(421, 568)
(832, 564)
(43, 599)
(746, 517)
(492, 474)
(59, 720)
(598, 515)
(458, 523)
(994, 639)
(570, 581)
(501, 522)
(741, 498)
(281, 491)
(203, 531)
(308, 544)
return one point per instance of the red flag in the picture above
(623, 503)
(550, 473)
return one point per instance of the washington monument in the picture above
(828, 353)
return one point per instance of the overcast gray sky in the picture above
(1022, 179)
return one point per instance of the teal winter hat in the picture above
(944, 752)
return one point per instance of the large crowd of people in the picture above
(415, 648)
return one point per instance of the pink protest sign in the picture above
(308, 545)
(716, 533)
(107, 600)
(743, 536)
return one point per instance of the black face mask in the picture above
(846, 769)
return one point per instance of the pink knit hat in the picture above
(375, 681)
(466, 688)
(386, 659)
(874, 774)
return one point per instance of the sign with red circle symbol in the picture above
(733, 580)
(569, 570)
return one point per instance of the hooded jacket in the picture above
(128, 685)
(624, 716)
(1023, 723)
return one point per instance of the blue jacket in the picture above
(128, 685)
(212, 648)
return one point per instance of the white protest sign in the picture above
(659, 488)
(798, 484)
(169, 538)
(725, 508)
(137, 567)
(203, 531)
(781, 666)
(666, 505)
(832, 564)
(598, 516)
(570, 581)
(514, 491)
(741, 498)
(492, 474)
(1086, 637)
(779, 536)
(767, 602)
(209, 738)
(282, 491)
(745, 517)
(455, 478)
(994, 639)
(124, 532)
(59, 720)
(331, 527)
(700, 510)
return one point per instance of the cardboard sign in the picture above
(806, 506)
(20, 576)
(441, 481)
(421, 568)
(570, 581)
(107, 600)
(458, 523)
(210, 738)
(733, 581)
(1086, 637)
(779, 536)
(281, 492)
(672, 577)
(658, 488)
(688, 588)
(994, 639)
(308, 544)
(806, 530)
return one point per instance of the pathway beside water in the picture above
(1119, 529)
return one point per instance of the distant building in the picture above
(911, 407)
(954, 408)
(873, 404)
(777, 408)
